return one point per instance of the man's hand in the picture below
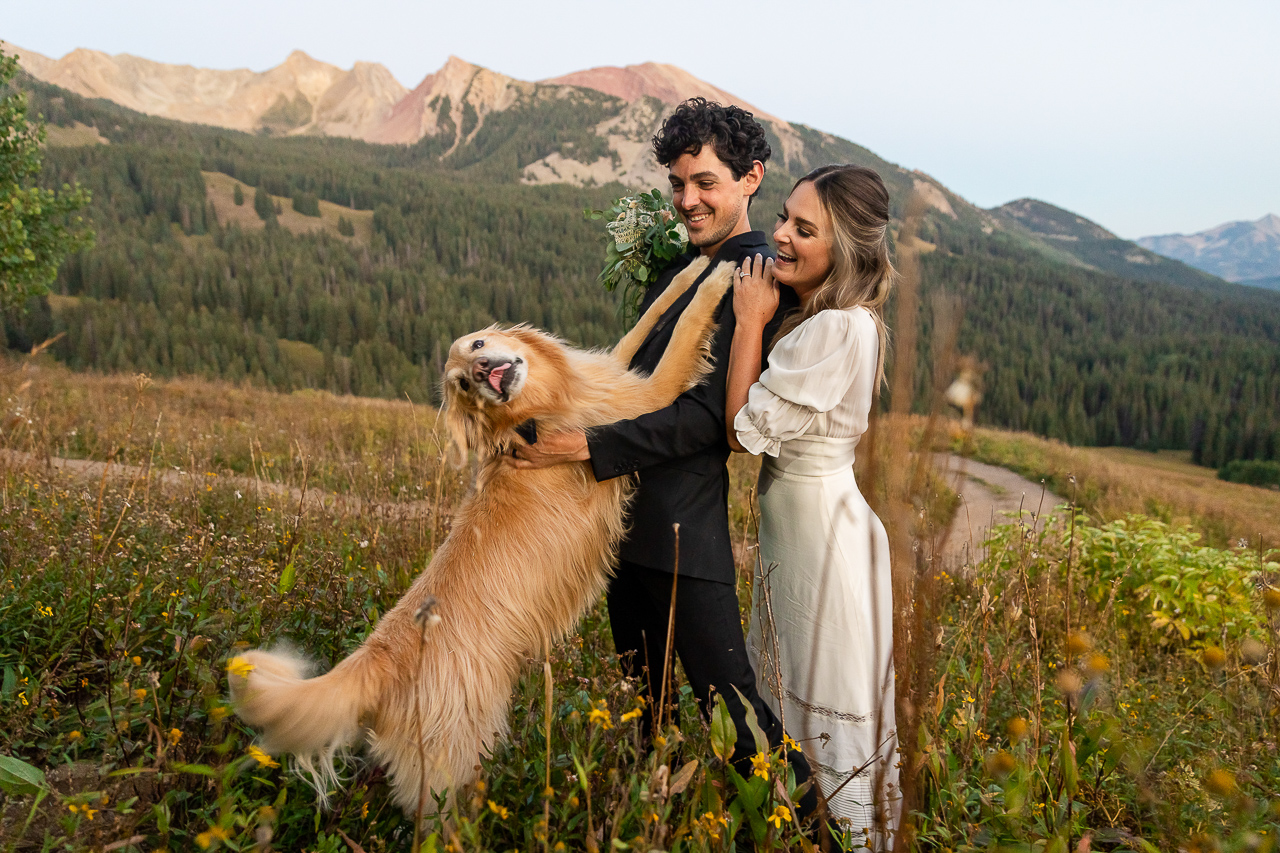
(554, 449)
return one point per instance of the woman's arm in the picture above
(755, 299)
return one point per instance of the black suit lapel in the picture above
(733, 250)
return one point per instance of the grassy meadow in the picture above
(1109, 683)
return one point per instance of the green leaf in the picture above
(18, 778)
(753, 793)
(762, 742)
(723, 733)
(287, 578)
(198, 769)
(1067, 760)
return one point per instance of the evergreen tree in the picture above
(306, 203)
(238, 195)
(263, 205)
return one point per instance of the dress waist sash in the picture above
(813, 456)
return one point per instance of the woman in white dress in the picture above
(823, 641)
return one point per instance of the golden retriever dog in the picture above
(528, 553)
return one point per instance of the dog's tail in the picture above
(311, 718)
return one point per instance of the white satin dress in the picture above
(826, 557)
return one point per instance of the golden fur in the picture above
(529, 551)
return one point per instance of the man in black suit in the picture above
(715, 156)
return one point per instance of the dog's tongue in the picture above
(495, 377)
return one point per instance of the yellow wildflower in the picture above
(239, 667)
(760, 765)
(75, 736)
(175, 735)
(780, 815)
(218, 712)
(140, 694)
(1221, 782)
(500, 811)
(204, 839)
(137, 661)
(602, 716)
(1098, 663)
(1271, 598)
(790, 743)
(1016, 729)
(1078, 643)
(264, 760)
(1001, 764)
(631, 715)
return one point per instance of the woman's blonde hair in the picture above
(857, 205)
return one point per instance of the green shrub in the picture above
(1255, 472)
(306, 203)
(263, 205)
(345, 227)
(238, 196)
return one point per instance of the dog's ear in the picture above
(460, 444)
(460, 426)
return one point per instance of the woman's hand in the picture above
(755, 299)
(755, 295)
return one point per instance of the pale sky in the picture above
(1147, 117)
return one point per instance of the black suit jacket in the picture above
(680, 451)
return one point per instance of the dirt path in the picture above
(989, 495)
(174, 478)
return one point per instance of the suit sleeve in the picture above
(693, 423)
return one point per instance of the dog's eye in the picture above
(475, 345)
(463, 383)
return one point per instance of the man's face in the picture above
(711, 202)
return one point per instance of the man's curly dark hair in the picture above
(732, 132)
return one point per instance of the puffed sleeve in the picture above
(810, 371)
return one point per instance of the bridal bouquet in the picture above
(644, 236)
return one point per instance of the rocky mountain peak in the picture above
(1237, 251)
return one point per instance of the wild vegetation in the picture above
(1103, 682)
(37, 226)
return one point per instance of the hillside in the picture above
(232, 517)
(452, 234)
(1237, 251)
(468, 114)
(1091, 245)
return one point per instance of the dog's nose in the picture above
(481, 362)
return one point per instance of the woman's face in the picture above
(803, 236)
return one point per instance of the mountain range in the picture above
(1244, 252)
(310, 226)
(305, 96)
(451, 107)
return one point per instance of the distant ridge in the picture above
(1237, 251)
(667, 83)
(301, 95)
(1089, 244)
